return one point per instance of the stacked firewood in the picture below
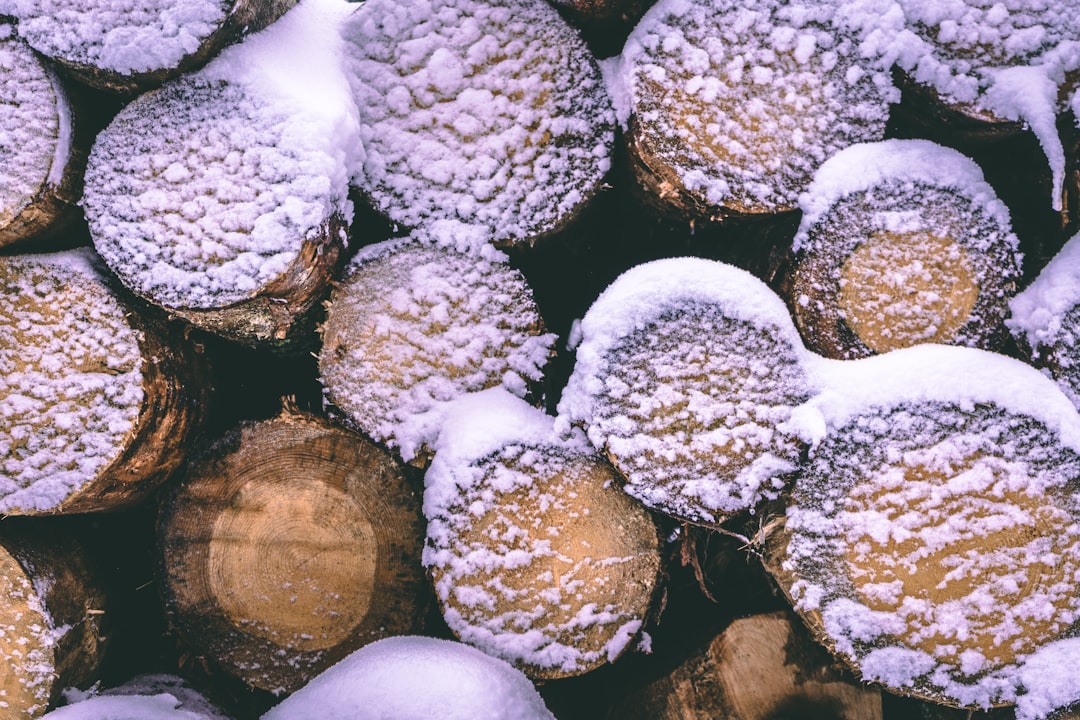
(505, 358)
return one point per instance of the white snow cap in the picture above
(235, 166)
(487, 119)
(415, 678)
(128, 707)
(130, 37)
(1008, 57)
(1038, 310)
(863, 166)
(929, 373)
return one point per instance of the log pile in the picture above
(422, 354)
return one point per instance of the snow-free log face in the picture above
(487, 120)
(735, 104)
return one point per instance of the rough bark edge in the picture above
(281, 315)
(73, 597)
(54, 208)
(204, 631)
(243, 17)
(175, 387)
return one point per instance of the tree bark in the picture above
(288, 544)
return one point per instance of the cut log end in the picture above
(580, 563)
(290, 545)
(394, 348)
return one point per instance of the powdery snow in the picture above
(904, 242)
(201, 193)
(1005, 57)
(413, 325)
(935, 524)
(415, 678)
(129, 37)
(686, 372)
(521, 566)
(481, 119)
(744, 100)
(70, 378)
(35, 126)
(133, 707)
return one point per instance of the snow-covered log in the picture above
(222, 196)
(140, 44)
(992, 68)
(53, 617)
(413, 325)
(686, 375)
(481, 120)
(146, 697)
(98, 400)
(41, 164)
(761, 667)
(901, 242)
(536, 555)
(287, 544)
(1045, 319)
(932, 541)
(733, 105)
(416, 677)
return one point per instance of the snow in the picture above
(414, 324)
(135, 36)
(234, 166)
(35, 126)
(686, 372)
(131, 707)
(506, 497)
(481, 119)
(939, 512)
(743, 101)
(415, 678)
(70, 378)
(1007, 57)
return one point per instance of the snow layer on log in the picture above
(135, 36)
(415, 678)
(71, 378)
(686, 373)
(744, 100)
(485, 120)
(413, 325)
(202, 192)
(935, 532)
(536, 556)
(1013, 59)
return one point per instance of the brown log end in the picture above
(289, 544)
(762, 667)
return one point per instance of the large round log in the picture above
(141, 45)
(412, 325)
(53, 618)
(288, 544)
(933, 538)
(98, 400)
(222, 196)
(761, 667)
(481, 121)
(733, 105)
(536, 556)
(686, 373)
(42, 158)
(901, 242)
